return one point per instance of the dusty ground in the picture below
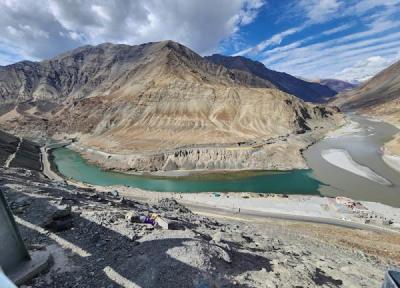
(97, 245)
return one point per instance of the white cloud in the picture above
(364, 6)
(316, 11)
(324, 59)
(274, 40)
(356, 55)
(338, 29)
(364, 69)
(250, 11)
(320, 51)
(62, 25)
(319, 11)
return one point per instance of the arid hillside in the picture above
(337, 85)
(308, 91)
(380, 96)
(156, 98)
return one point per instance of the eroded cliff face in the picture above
(160, 106)
(227, 128)
(279, 155)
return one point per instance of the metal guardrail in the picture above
(392, 278)
(12, 249)
(5, 282)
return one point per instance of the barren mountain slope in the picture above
(378, 97)
(337, 85)
(162, 106)
(101, 70)
(308, 91)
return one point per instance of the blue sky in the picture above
(351, 40)
(345, 39)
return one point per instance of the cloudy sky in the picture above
(346, 39)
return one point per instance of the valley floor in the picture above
(225, 239)
(339, 211)
(275, 153)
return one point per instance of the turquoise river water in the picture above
(71, 164)
(322, 179)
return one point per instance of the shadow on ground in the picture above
(160, 258)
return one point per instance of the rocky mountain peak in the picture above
(311, 92)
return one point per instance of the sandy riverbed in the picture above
(391, 153)
(351, 127)
(342, 159)
(391, 149)
(392, 161)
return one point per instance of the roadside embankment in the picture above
(19, 152)
(47, 170)
(340, 211)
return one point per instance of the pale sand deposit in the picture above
(351, 127)
(391, 153)
(392, 161)
(342, 159)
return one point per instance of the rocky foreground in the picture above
(96, 240)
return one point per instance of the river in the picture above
(362, 145)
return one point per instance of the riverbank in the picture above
(330, 210)
(48, 171)
(391, 153)
(391, 149)
(392, 161)
(339, 211)
(276, 153)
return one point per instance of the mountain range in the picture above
(379, 96)
(338, 85)
(160, 106)
(308, 91)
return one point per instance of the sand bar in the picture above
(392, 161)
(342, 159)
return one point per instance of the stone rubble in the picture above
(194, 252)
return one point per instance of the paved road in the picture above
(12, 156)
(258, 216)
(248, 215)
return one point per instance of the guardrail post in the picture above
(12, 249)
